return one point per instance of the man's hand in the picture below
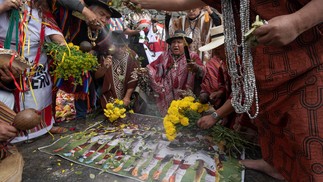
(7, 131)
(5, 74)
(208, 9)
(126, 101)
(193, 67)
(279, 31)
(10, 4)
(216, 98)
(92, 19)
(107, 61)
(206, 122)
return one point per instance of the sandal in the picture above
(58, 130)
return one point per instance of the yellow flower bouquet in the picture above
(115, 110)
(70, 63)
(182, 113)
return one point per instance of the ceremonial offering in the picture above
(70, 62)
(249, 37)
(137, 149)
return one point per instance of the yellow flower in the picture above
(173, 118)
(123, 116)
(108, 112)
(70, 44)
(131, 111)
(201, 108)
(122, 110)
(173, 111)
(171, 130)
(77, 47)
(113, 117)
(107, 115)
(116, 111)
(171, 137)
(120, 102)
(165, 118)
(194, 107)
(189, 99)
(184, 121)
(174, 103)
(184, 104)
(167, 124)
(109, 106)
(206, 107)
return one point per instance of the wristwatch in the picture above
(216, 116)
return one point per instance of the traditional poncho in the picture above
(170, 77)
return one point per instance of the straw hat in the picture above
(179, 34)
(105, 5)
(217, 38)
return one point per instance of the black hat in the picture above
(119, 38)
(104, 4)
(179, 34)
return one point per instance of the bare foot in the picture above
(263, 166)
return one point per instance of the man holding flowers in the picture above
(118, 71)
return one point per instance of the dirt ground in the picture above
(42, 167)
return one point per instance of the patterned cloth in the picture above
(170, 77)
(290, 82)
(119, 77)
(216, 77)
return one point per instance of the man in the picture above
(216, 84)
(288, 72)
(171, 75)
(76, 30)
(118, 71)
(36, 94)
(197, 27)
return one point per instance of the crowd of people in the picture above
(187, 55)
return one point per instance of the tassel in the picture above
(206, 17)
(14, 21)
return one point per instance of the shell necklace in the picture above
(243, 81)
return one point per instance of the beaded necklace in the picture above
(92, 36)
(243, 81)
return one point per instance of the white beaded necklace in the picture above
(243, 81)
